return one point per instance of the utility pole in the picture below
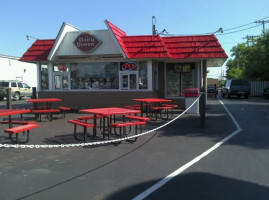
(263, 22)
(153, 25)
(250, 38)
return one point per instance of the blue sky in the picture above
(42, 19)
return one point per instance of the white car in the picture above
(18, 89)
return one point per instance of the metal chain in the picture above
(37, 146)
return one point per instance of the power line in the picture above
(244, 24)
(250, 38)
(263, 22)
(238, 30)
(224, 30)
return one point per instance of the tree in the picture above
(235, 73)
(250, 61)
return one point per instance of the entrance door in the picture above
(129, 81)
(61, 81)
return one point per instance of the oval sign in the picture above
(86, 42)
(130, 66)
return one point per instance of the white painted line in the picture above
(192, 162)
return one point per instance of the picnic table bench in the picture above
(18, 129)
(47, 109)
(85, 125)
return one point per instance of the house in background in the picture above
(104, 68)
(13, 69)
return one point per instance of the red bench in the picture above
(123, 125)
(64, 110)
(136, 118)
(133, 107)
(89, 117)
(85, 125)
(170, 105)
(49, 113)
(18, 122)
(19, 129)
(136, 106)
(155, 111)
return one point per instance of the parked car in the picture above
(18, 89)
(211, 89)
(266, 93)
(236, 87)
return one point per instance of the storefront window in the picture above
(178, 78)
(95, 76)
(143, 75)
(44, 77)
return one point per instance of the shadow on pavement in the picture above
(200, 186)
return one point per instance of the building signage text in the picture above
(86, 42)
(129, 66)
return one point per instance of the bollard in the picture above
(9, 105)
(202, 106)
(33, 93)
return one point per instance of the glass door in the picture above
(61, 81)
(129, 81)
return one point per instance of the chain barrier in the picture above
(37, 146)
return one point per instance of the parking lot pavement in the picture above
(15, 104)
(67, 172)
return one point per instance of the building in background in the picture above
(13, 69)
(213, 81)
(103, 68)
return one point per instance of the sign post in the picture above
(9, 105)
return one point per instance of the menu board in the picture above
(187, 81)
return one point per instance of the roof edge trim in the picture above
(63, 30)
(115, 38)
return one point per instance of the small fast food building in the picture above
(104, 68)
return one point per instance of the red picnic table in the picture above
(148, 103)
(43, 100)
(107, 114)
(25, 125)
(5, 112)
(48, 108)
(9, 112)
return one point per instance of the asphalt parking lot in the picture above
(128, 170)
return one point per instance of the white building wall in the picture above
(13, 69)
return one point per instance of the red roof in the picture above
(39, 51)
(200, 46)
(149, 46)
(179, 47)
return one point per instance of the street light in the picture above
(28, 37)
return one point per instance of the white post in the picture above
(50, 73)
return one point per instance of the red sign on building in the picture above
(86, 42)
(129, 66)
